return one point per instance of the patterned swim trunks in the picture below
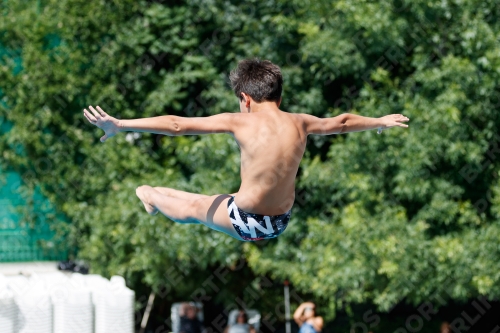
(253, 227)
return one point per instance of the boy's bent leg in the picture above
(179, 194)
(173, 208)
(212, 212)
(208, 210)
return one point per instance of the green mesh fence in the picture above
(20, 241)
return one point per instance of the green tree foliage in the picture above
(379, 218)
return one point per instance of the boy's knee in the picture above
(195, 206)
(189, 212)
(197, 209)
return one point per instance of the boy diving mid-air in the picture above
(272, 144)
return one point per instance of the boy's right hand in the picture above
(392, 120)
(99, 118)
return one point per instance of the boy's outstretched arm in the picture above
(348, 122)
(166, 125)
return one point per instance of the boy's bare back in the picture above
(272, 143)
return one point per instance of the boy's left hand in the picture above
(110, 125)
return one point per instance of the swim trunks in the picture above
(253, 227)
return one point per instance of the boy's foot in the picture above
(143, 193)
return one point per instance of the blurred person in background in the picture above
(445, 327)
(305, 317)
(241, 325)
(189, 321)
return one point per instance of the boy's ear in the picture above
(279, 102)
(246, 98)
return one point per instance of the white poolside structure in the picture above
(56, 302)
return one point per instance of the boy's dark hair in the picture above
(261, 79)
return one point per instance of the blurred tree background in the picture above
(379, 221)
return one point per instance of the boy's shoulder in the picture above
(301, 119)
